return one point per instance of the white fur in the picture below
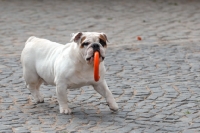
(63, 66)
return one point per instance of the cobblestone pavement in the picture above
(155, 81)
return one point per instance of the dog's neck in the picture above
(78, 59)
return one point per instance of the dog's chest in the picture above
(78, 84)
(80, 79)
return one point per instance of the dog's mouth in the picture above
(90, 59)
(90, 54)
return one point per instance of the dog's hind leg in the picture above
(33, 82)
(33, 88)
(39, 96)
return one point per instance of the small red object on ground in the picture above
(139, 38)
(96, 66)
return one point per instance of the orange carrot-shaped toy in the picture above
(96, 66)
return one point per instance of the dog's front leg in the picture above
(102, 89)
(61, 90)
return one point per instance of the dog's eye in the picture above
(102, 42)
(85, 44)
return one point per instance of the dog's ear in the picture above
(104, 37)
(76, 36)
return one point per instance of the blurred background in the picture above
(156, 21)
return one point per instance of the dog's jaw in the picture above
(90, 54)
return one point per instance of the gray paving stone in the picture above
(21, 130)
(125, 129)
(189, 131)
(35, 128)
(156, 119)
(5, 127)
(194, 126)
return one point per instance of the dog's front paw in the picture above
(39, 99)
(113, 106)
(65, 110)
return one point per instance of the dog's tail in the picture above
(29, 39)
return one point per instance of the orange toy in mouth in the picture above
(96, 66)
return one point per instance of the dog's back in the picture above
(38, 55)
(38, 48)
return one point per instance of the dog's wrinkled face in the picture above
(90, 42)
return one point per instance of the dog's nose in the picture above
(95, 46)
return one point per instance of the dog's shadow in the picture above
(85, 114)
(89, 110)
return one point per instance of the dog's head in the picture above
(90, 42)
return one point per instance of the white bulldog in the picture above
(67, 66)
